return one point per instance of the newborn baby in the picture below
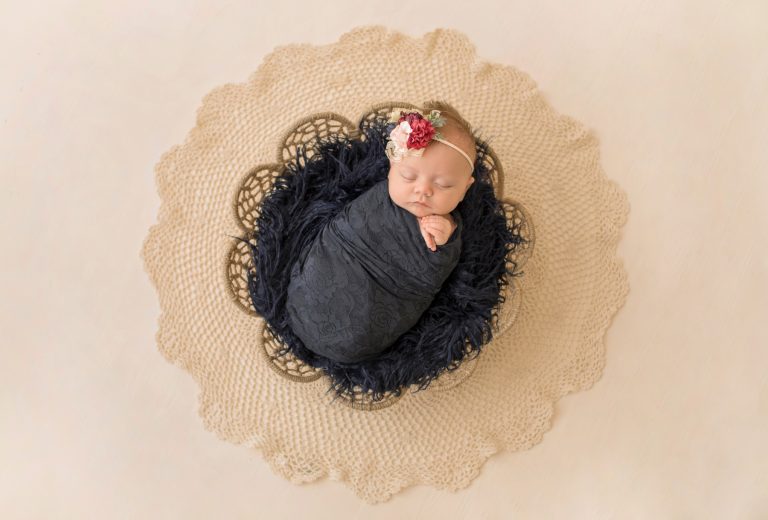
(377, 265)
(430, 186)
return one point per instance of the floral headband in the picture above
(414, 132)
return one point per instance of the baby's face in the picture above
(439, 179)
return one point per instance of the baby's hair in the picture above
(449, 112)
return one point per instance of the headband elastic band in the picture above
(462, 152)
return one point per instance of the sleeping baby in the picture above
(377, 265)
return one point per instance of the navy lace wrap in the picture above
(367, 278)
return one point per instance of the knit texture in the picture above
(550, 332)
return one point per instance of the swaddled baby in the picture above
(377, 265)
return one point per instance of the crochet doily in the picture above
(549, 336)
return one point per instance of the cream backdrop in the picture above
(94, 423)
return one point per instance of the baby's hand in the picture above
(436, 229)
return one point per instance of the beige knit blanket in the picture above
(550, 331)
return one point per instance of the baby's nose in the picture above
(425, 191)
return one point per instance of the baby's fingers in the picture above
(429, 239)
(431, 242)
(435, 229)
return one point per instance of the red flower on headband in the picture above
(422, 130)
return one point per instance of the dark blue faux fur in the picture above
(309, 192)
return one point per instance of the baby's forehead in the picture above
(445, 169)
(451, 162)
